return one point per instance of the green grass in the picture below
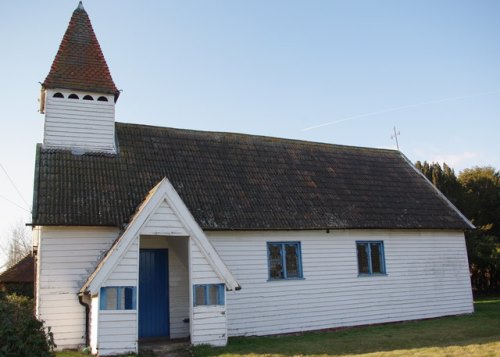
(470, 335)
(79, 354)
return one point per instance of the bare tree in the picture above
(18, 244)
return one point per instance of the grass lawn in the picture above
(471, 335)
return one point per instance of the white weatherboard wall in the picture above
(66, 257)
(77, 123)
(208, 323)
(125, 272)
(117, 329)
(117, 332)
(427, 276)
(164, 221)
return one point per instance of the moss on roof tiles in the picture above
(238, 182)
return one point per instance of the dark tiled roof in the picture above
(79, 63)
(234, 181)
(21, 272)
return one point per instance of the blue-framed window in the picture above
(284, 260)
(118, 298)
(371, 257)
(208, 294)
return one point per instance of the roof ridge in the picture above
(79, 63)
(241, 182)
(265, 137)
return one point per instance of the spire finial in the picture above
(79, 63)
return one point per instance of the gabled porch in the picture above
(161, 279)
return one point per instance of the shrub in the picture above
(21, 334)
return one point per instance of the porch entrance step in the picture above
(165, 347)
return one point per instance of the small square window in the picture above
(117, 298)
(208, 294)
(371, 258)
(284, 259)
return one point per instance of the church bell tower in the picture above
(78, 96)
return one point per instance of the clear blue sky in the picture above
(430, 68)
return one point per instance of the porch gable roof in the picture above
(162, 191)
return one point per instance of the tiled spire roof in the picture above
(79, 64)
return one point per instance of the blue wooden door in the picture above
(153, 293)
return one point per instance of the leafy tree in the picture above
(21, 334)
(444, 179)
(476, 193)
(482, 193)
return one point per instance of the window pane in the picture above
(376, 255)
(121, 299)
(292, 261)
(111, 298)
(220, 297)
(213, 294)
(200, 298)
(129, 298)
(275, 261)
(363, 258)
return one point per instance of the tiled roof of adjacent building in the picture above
(240, 182)
(21, 272)
(79, 64)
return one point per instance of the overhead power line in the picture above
(26, 208)
(15, 204)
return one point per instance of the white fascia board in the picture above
(162, 191)
(119, 248)
(440, 194)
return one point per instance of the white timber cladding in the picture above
(208, 323)
(117, 329)
(117, 332)
(66, 257)
(427, 276)
(88, 125)
(178, 279)
(94, 323)
(201, 271)
(125, 272)
(164, 221)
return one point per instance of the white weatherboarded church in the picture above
(148, 232)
